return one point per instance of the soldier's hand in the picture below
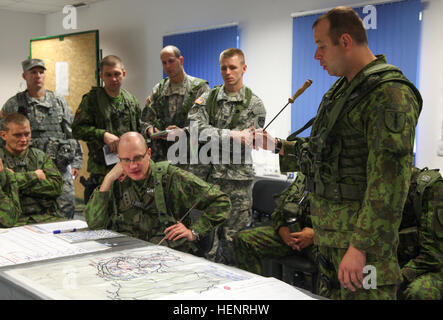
(304, 238)
(263, 140)
(115, 173)
(74, 172)
(178, 231)
(175, 133)
(40, 174)
(350, 271)
(153, 130)
(112, 141)
(244, 137)
(150, 131)
(3, 167)
(287, 237)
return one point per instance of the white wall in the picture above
(17, 30)
(133, 30)
(431, 86)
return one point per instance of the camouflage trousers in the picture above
(251, 246)
(329, 261)
(66, 200)
(240, 193)
(428, 286)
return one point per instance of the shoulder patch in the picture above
(199, 100)
(261, 122)
(395, 120)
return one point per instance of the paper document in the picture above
(81, 236)
(23, 245)
(110, 157)
(151, 272)
(255, 288)
(262, 288)
(62, 78)
(57, 226)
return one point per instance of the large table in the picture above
(130, 268)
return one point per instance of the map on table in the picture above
(151, 272)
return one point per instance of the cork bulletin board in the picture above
(75, 56)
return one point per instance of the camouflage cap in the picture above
(28, 64)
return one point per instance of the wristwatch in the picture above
(197, 236)
(278, 145)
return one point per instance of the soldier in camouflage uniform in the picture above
(51, 119)
(104, 114)
(291, 231)
(357, 160)
(147, 200)
(169, 103)
(10, 209)
(420, 251)
(227, 113)
(29, 179)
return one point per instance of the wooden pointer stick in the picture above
(292, 99)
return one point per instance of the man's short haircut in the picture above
(16, 118)
(175, 50)
(111, 61)
(344, 20)
(130, 135)
(228, 53)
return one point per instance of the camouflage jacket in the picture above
(293, 206)
(99, 113)
(421, 234)
(170, 104)
(50, 119)
(37, 197)
(364, 162)
(10, 209)
(219, 125)
(137, 208)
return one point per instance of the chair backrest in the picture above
(263, 192)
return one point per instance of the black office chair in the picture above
(263, 203)
(294, 269)
(300, 272)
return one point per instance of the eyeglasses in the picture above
(137, 159)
